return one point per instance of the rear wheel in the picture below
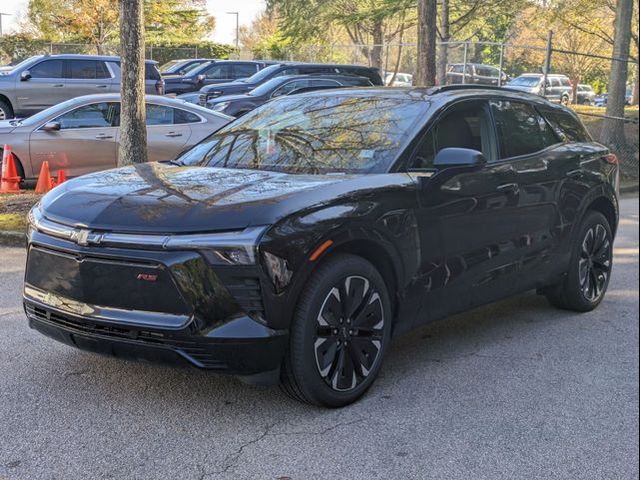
(6, 111)
(339, 334)
(589, 273)
(564, 100)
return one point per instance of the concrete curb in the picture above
(12, 239)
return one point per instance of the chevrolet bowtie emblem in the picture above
(81, 237)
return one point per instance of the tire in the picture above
(336, 348)
(6, 111)
(587, 279)
(564, 100)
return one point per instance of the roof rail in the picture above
(462, 86)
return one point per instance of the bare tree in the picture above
(427, 30)
(133, 130)
(613, 130)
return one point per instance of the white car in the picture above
(401, 80)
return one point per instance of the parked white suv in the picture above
(558, 88)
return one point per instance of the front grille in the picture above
(203, 99)
(198, 351)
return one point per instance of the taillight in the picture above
(160, 87)
(611, 158)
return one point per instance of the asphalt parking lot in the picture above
(513, 390)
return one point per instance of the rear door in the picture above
(168, 131)
(86, 141)
(244, 70)
(529, 145)
(86, 77)
(45, 88)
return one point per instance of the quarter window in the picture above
(182, 116)
(521, 130)
(96, 115)
(47, 69)
(566, 126)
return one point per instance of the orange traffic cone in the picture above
(10, 180)
(61, 177)
(45, 182)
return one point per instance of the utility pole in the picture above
(6, 15)
(237, 14)
(547, 63)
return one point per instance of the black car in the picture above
(209, 73)
(238, 105)
(290, 245)
(277, 70)
(182, 65)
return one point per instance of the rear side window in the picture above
(47, 69)
(243, 70)
(566, 126)
(86, 69)
(182, 116)
(521, 130)
(151, 72)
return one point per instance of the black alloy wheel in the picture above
(585, 283)
(339, 334)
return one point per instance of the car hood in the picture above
(6, 126)
(231, 98)
(521, 88)
(162, 198)
(228, 88)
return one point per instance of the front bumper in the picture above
(193, 313)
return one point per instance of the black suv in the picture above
(280, 69)
(292, 244)
(212, 72)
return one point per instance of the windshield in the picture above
(525, 81)
(266, 87)
(261, 75)
(314, 135)
(46, 113)
(11, 68)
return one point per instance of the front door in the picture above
(86, 141)
(45, 87)
(468, 219)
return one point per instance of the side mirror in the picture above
(201, 78)
(459, 157)
(51, 126)
(25, 75)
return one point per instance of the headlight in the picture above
(225, 248)
(219, 107)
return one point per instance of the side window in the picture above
(456, 69)
(289, 71)
(466, 125)
(566, 126)
(159, 115)
(218, 72)
(97, 115)
(102, 71)
(47, 69)
(323, 83)
(521, 130)
(243, 70)
(151, 72)
(82, 69)
(555, 82)
(182, 116)
(565, 82)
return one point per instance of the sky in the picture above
(225, 31)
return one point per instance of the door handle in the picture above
(512, 188)
(173, 134)
(101, 86)
(103, 136)
(58, 85)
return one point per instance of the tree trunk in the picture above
(133, 130)
(612, 133)
(426, 61)
(443, 57)
(634, 98)
(378, 41)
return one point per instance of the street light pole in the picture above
(237, 14)
(6, 15)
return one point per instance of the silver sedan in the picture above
(81, 135)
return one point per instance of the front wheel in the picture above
(339, 334)
(589, 273)
(564, 100)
